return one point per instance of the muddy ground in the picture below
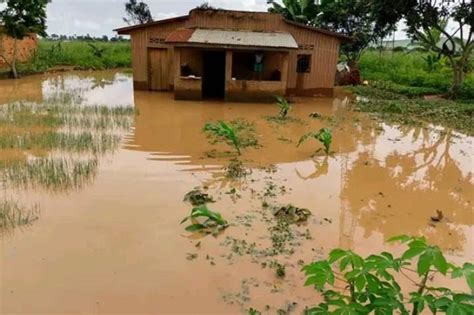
(116, 245)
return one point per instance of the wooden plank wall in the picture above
(325, 48)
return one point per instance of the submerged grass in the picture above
(14, 215)
(70, 137)
(51, 173)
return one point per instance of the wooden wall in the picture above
(323, 48)
(25, 48)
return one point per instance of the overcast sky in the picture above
(100, 17)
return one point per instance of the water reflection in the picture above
(388, 180)
(107, 88)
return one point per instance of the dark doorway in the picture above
(213, 78)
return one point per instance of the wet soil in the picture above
(116, 246)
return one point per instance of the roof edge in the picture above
(127, 29)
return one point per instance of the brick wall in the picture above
(25, 48)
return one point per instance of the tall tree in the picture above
(303, 11)
(354, 18)
(19, 19)
(137, 12)
(426, 18)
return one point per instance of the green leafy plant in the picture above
(369, 285)
(224, 132)
(284, 106)
(213, 224)
(324, 136)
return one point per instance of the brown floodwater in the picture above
(116, 246)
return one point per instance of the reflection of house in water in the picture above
(233, 55)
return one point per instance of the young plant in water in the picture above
(213, 223)
(369, 285)
(224, 132)
(284, 106)
(324, 136)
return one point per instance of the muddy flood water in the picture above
(116, 245)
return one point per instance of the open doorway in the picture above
(213, 78)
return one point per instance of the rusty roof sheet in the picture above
(233, 38)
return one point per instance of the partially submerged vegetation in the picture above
(55, 145)
(14, 215)
(395, 107)
(324, 136)
(213, 222)
(61, 142)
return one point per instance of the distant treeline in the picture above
(103, 38)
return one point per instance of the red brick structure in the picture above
(25, 48)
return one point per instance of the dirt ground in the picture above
(117, 246)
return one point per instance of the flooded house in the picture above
(25, 48)
(233, 55)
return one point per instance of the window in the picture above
(304, 64)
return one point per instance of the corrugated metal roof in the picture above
(237, 38)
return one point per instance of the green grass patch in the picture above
(79, 54)
(410, 74)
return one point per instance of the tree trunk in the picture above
(13, 63)
(458, 79)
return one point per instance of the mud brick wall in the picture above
(25, 48)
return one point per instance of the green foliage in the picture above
(18, 19)
(373, 287)
(413, 72)
(284, 106)
(324, 136)
(302, 11)
(224, 132)
(213, 223)
(82, 55)
(197, 198)
(426, 24)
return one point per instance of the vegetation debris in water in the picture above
(291, 214)
(236, 169)
(197, 198)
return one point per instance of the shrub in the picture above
(373, 288)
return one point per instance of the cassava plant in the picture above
(213, 222)
(284, 106)
(351, 284)
(324, 136)
(224, 132)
